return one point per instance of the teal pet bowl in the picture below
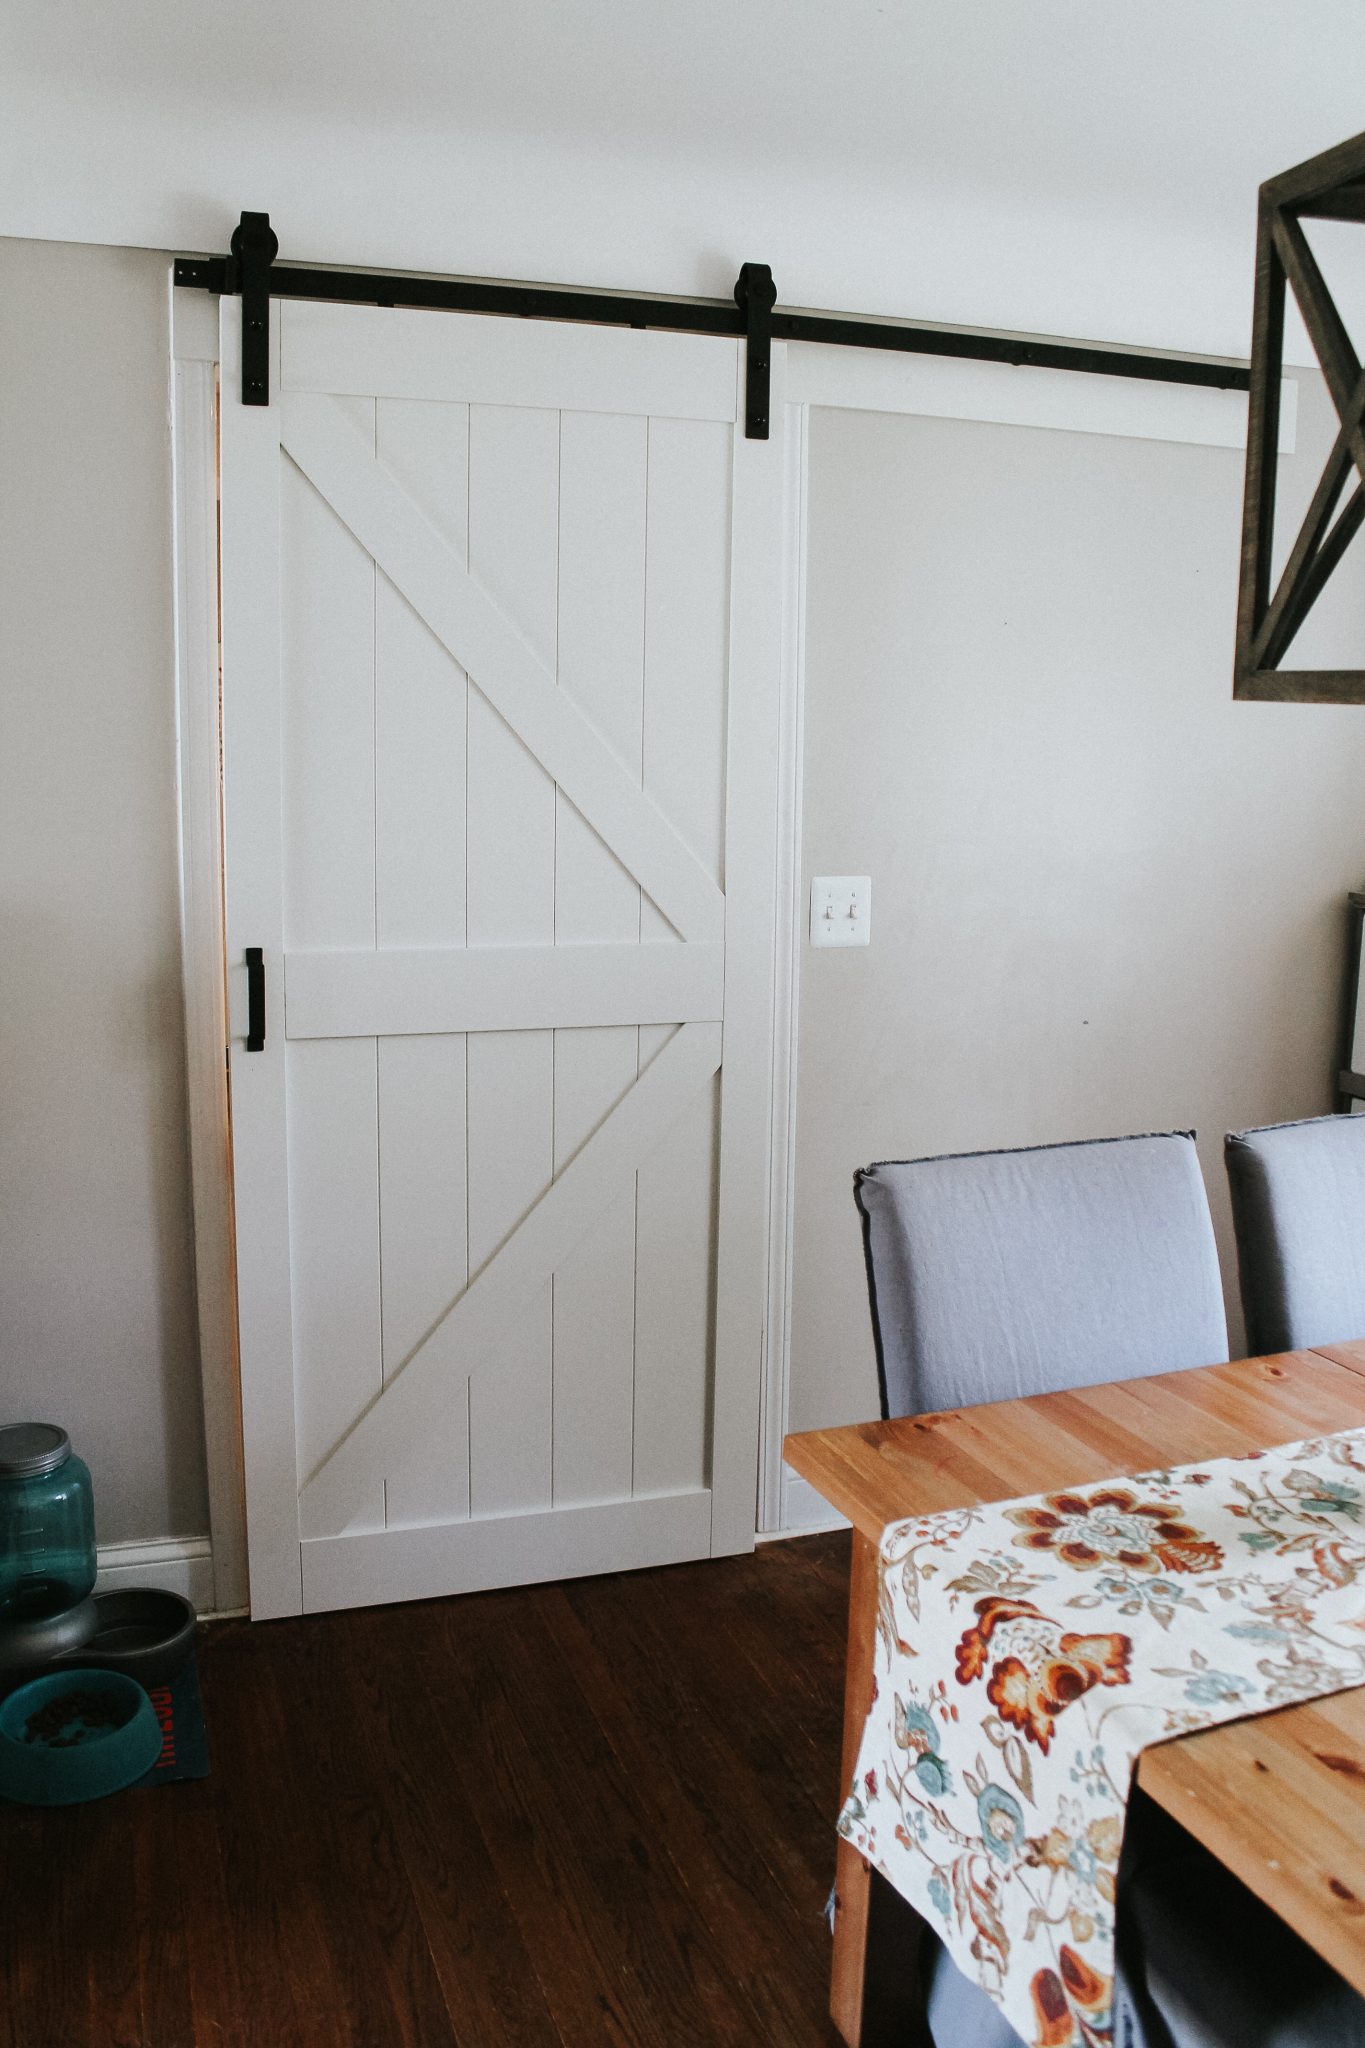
(75, 1735)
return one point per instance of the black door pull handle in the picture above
(255, 999)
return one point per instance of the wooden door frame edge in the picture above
(193, 378)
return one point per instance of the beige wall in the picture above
(96, 1301)
(1105, 897)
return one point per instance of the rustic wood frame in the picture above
(1327, 187)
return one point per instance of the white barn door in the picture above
(500, 608)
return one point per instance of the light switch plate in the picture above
(840, 910)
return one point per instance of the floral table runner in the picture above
(1029, 1650)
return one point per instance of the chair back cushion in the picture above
(1298, 1204)
(996, 1274)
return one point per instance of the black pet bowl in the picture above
(28, 1645)
(142, 1631)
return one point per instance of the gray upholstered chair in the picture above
(1298, 1203)
(996, 1274)
(1201, 1962)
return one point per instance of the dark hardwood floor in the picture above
(567, 1816)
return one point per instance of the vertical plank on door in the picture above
(328, 719)
(686, 634)
(424, 1239)
(603, 462)
(675, 1304)
(686, 665)
(420, 701)
(334, 1206)
(513, 547)
(328, 750)
(420, 718)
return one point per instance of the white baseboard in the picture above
(182, 1564)
(804, 1511)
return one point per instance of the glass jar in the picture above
(47, 1523)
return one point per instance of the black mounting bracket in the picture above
(255, 246)
(756, 295)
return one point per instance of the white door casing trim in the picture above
(789, 931)
(752, 809)
(997, 394)
(843, 379)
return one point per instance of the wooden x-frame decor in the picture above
(1327, 187)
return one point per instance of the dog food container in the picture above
(47, 1524)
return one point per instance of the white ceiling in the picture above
(1081, 166)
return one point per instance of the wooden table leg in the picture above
(874, 1997)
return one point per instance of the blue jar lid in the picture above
(28, 1449)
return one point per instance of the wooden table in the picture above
(1279, 1798)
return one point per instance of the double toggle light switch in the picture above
(840, 910)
